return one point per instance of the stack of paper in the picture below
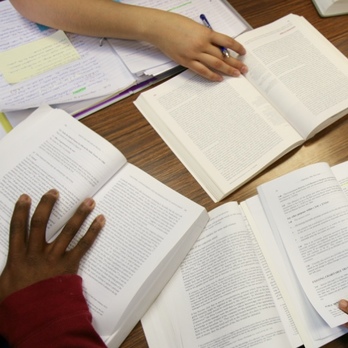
(88, 73)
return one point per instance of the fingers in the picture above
(73, 225)
(39, 221)
(226, 41)
(37, 240)
(88, 239)
(32, 259)
(73, 257)
(202, 70)
(212, 68)
(215, 59)
(212, 64)
(19, 226)
(343, 305)
(215, 68)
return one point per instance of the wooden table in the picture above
(124, 126)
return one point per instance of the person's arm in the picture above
(41, 298)
(188, 43)
(51, 313)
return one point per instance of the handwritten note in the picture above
(32, 59)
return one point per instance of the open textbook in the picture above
(107, 71)
(149, 227)
(227, 132)
(327, 8)
(266, 273)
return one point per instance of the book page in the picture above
(149, 230)
(300, 71)
(309, 210)
(341, 173)
(219, 296)
(297, 314)
(52, 150)
(223, 132)
(250, 210)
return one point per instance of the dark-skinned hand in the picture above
(31, 258)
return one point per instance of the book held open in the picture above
(227, 132)
(265, 273)
(149, 227)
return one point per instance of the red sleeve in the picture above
(51, 313)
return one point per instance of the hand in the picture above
(343, 306)
(195, 46)
(30, 258)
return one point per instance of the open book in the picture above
(227, 132)
(149, 227)
(327, 8)
(267, 273)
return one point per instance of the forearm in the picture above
(101, 18)
(51, 313)
(183, 40)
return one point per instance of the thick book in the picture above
(328, 8)
(149, 227)
(265, 273)
(227, 132)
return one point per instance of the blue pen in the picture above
(207, 24)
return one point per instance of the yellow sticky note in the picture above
(32, 59)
